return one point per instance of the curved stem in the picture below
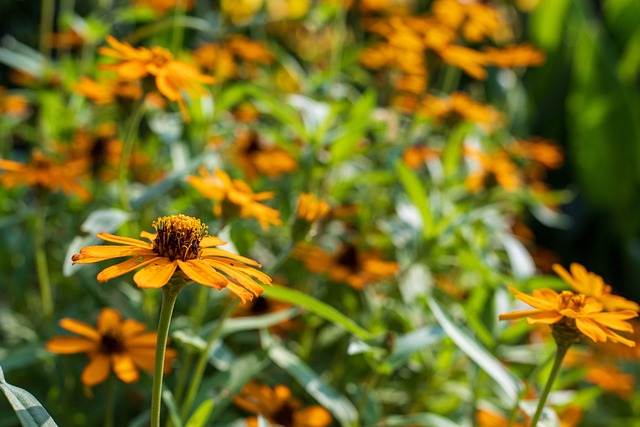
(129, 139)
(169, 296)
(42, 267)
(204, 357)
(555, 370)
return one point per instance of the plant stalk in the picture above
(563, 347)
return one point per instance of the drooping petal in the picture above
(591, 329)
(156, 274)
(125, 368)
(97, 370)
(215, 252)
(615, 320)
(147, 339)
(131, 328)
(518, 314)
(249, 271)
(125, 267)
(108, 320)
(71, 345)
(202, 273)
(149, 236)
(241, 292)
(237, 277)
(545, 317)
(123, 240)
(80, 328)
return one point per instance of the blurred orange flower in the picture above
(171, 75)
(180, 243)
(161, 7)
(123, 346)
(279, 407)
(12, 105)
(108, 90)
(256, 158)
(310, 208)
(522, 55)
(498, 166)
(234, 197)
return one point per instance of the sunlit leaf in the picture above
(27, 408)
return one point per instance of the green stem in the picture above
(169, 296)
(42, 268)
(178, 30)
(555, 370)
(203, 359)
(514, 410)
(46, 26)
(129, 139)
(111, 400)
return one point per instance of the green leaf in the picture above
(327, 396)
(29, 411)
(172, 407)
(417, 193)
(412, 342)
(315, 306)
(201, 415)
(478, 353)
(422, 419)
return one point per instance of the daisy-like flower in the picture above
(310, 208)
(592, 285)
(180, 243)
(234, 197)
(256, 158)
(497, 166)
(570, 315)
(106, 91)
(43, 171)
(123, 346)
(172, 76)
(279, 407)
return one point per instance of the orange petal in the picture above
(108, 319)
(123, 240)
(237, 277)
(215, 252)
(96, 371)
(147, 339)
(518, 314)
(203, 273)
(591, 329)
(125, 368)
(545, 317)
(130, 328)
(91, 254)
(156, 274)
(149, 236)
(211, 241)
(71, 345)
(80, 328)
(125, 267)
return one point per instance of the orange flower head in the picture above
(571, 315)
(161, 7)
(123, 346)
(106, 91)
(15, 106)
(512, 56)
(497, 166)
(256, 158)
(279, 407)
(180, 243)
(234, 197)
(310, 208)
(590, 284)
(171, 75)
(44, 172)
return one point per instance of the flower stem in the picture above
(46, 26)
(110, 404)
(42, 267)
(204, 357)
(129, 139)
(169, 296)
(555, 370)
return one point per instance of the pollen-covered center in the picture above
(178, 237)
(571, 301)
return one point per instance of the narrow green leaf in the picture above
(172, 407)
(29, 411)
(478, 353)
(201, 415)
(327, 396)
(412, 342)
(317, 307)
(417, 194)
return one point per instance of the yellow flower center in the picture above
(178, 237)
(571, 301)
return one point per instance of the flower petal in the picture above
(108, 319)
(149, 236)
(125, 368)
(202, 273)
(91, 254)
(71, 345)
(125, 267)
(215, 252)
(80, 328)
(147, 339)
(97, 370)
(211, 241)
(131, 328)
(155, 274)
(548, 317)
(518, 314)
(123, 240)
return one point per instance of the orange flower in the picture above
(522, 55)
(575, 312)
(122, 345)
(542, 151)
(262, 306)
(279, 407)
(234, 197)
(106, 91)
(470, 61)
(101, 150)
(171, 76)
(256, 158)
(416, 155)
(348, 265)
(161, 7)
(65, 39)
(180, 243)
(612, 380)
(592, 285)
(12, 105)
(486, 418)
(497, 165)
(45, 172)
(459, 106)
(310, 208)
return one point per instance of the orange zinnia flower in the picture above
(279, 407)
(256, 158)
(310, 208)
(106, 91)
(180, 243)
(121, 345)
(523, 55)
(234, 197)
(592, 285)
(12, 105)
(44, 172)
(497, 165)
(171, 75)
(576, 312)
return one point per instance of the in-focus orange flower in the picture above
(161, 7)
(172, 76)
(256, 158)
(349, 265)
(180, 243)
(108, 90)
(44, 172)
(310, 208)
(123, 346)
(234, 197)
(592, 285)
(279, 407)
(576, 313)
